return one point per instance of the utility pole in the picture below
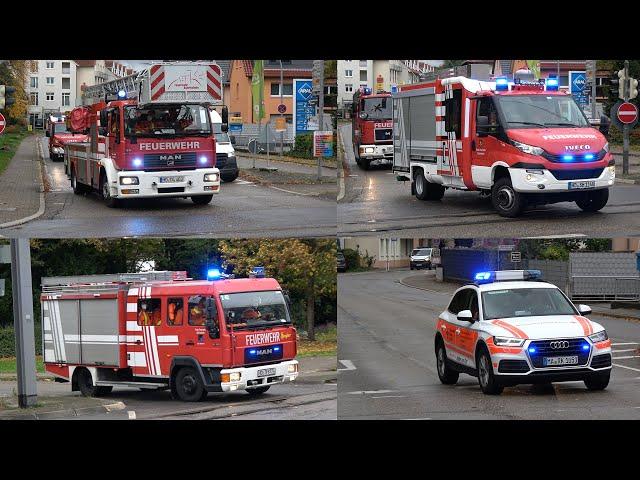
(593, 89)
(282, 103)
(320, 111)
(625, 129)
(23, 321)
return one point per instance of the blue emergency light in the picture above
(482, 276)
(532, 350)
(257, 272)
(552, 83)
(213, 274)
(367, 90)
(502, 84)
(122, 94)
(507, 275)
(137, 162)
(589, 156)
(585, 346)
(567, 158)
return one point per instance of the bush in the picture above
(303, 147)
(352, 257)
(8, 341)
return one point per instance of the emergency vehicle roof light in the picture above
(366, 90)
(502, 84)
(122, 94)
(507, 275)
(552, 83)
(213, 274)
(257, 272)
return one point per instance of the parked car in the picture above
(342, 262)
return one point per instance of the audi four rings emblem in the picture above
(561, 344)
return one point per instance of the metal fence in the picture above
(604, 276)
(265, 134)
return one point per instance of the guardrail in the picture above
(603, 288)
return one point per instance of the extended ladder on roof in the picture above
(128, 84)
(105, 282)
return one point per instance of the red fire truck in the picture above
(161, 330)
(59, 136)
(150, 135)
(521, 142)
(371, 127)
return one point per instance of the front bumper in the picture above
(228, 166)
(249, 376)
(376, 152)
(421, 263)
(542, 181)
(149, 185)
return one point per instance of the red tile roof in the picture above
(86, 63)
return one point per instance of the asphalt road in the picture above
(241, 209)
(293, 401)
(375, 202)
(387, 365)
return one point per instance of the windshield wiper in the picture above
(528, 123)
(562, 124)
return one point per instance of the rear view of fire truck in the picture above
(161, 330)
(150, 135)
(371, 127)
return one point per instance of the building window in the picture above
(286, 87)
(50, 96)
(33, 98)
(34, 82)
(363, 63)
(33, 64)
(363, 75)
(66, 83)
(348, 87)
(66, 67)
(49, 65)
(348, 73)
(66, 99)
(50, 80)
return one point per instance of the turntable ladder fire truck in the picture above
(522, 142)
(371, 127)
(162, 330)
(149, 135)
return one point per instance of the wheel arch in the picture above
(499, 170)
(185, 361)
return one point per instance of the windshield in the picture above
(166, 121)
(525, 302)
(535, 111)
(60, 128)
(221, 136)
(255, 309)
(421, 251)
(377, 108)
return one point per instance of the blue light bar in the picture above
(567, 158)
(502, 84)
(532, 274)
(552, 83)
(213, 274)
(122, 94)
(483, 277)
(367, 90)
(589, 156)
(507, 275)
(257, 272)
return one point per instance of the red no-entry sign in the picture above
(3, 123)
(627, 113)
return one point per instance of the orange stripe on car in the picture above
(585, 324)
(603, 344)
(493, 348)
(510, 328)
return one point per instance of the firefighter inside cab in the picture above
(197, 311)
(148, 313)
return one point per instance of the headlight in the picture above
(508, 342)
(368, 150)
(530, 149)
(606, 147)
(599, 337)
(230, 377)
(292, 368)
(129, 181)
(210, 177)
(231, 154)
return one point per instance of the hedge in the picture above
(8, 341)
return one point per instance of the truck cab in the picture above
(372, 128)
(59, 135)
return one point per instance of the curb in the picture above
(8, 377)
(627, 181)
(40, 211)
(325, 376)
(66, 413)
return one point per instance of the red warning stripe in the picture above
(157, 80)
(510, 328)
(154, 69)
(585, 324)
(159, 92)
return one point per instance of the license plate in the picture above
(585, 184)
(551, 361)
(171, 179)
(266, 372)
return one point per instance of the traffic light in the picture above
(6, 96)
(622, 84)
(633, 88)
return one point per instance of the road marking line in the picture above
(131, 414)
(627, 357)
(626, 350)
(392, 396)
(348, 364)
(624, 366)
(424, 418)
(627, 343)
(367, 392)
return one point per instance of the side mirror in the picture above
(465, 316)
(232, 138)
(482, 126)
(212, 319)
(104, 119)
(48, 133)
(225, 120)
(364, 115)
(584, 309)
(102, 131)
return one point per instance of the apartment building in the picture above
(51, 87)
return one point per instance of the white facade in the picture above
(352, 74)
(99, 72)
(51, 87)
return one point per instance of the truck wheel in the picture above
(364, 163)
(487, 380)
(505, 199)
(201, 199)
(189, 387)
(435, 191)
(86, 386)
(77, 188)
(105, 191)
(425, 190)
(594, 201)
(446, 374)
(254, 392)
(598, 382)
(229, 178)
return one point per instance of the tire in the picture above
(364, 163)
(486, 378)
(105, 192)
(410, 267)
(446, 374)
(201, 199)
(229, 178)
(254, 392)
(506, 201)
(86, 386)
(426, 190)
(594, 201)
(77, 188)
(188, 385)
(598, 382)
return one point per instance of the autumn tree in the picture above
(14, 73)
(306, 267)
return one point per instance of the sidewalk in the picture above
(321, 369)
(21, 192)
(246, 162)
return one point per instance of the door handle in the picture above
(458, 331)
(473, 145)
(138, 342)
(190, 342)
(443, 327)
